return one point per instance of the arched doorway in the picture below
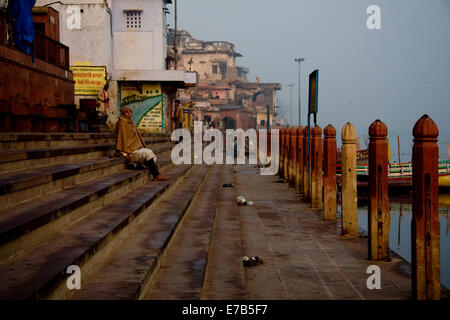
(229, 123)
(258, 97)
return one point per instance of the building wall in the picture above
(92, 43)
(94, 38)
(143, 48)
(221, 93)
(203, 63)
(243, 119)
(104, 40)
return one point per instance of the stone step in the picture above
(24, 185)
(12, 141)
(125, 271)
(19, 159)
(225, 275)
(40, 272)
(183, 267)
(32, 222)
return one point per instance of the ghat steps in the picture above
(64, 201)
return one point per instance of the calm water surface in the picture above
(400, 233)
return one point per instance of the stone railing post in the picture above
(287, 149)
(281, 167)
(425, 226)
(349, 191)
(306, 181)
(316, 167)
(379, 212)
(329, 174)
(293, 156)
(299, 162)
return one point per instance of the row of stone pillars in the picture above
(314, 176)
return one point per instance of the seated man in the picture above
(130, 143)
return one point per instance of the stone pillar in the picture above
(293, 157)
(306, 182)
(425, 228)
(349, 194)
(379, 212)
(287, 140)
(299, 162)
(329, 174)
(316, 167)
(281, 168)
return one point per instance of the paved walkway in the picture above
(304, 256)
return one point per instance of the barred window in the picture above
(133, 19)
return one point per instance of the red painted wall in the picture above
(23, 81)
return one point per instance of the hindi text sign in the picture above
(88, 80)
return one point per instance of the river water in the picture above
(400, 233)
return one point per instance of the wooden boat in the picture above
(400, 175)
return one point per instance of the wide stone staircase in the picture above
(65, 199)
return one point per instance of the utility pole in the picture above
(299, 60)
(290, 85)
(175, 37)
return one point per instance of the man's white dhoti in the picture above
(142, 155)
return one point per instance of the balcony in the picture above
(51, 51)
(45, 48)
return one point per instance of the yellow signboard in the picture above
(88, 80)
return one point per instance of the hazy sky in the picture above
(396, 74)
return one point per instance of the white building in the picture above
(126, 41)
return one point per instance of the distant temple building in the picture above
(223, 93)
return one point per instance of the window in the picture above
(214, 68)
(133, 19)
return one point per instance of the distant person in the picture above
(103, 104)
(129, 142)
(178, 115)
